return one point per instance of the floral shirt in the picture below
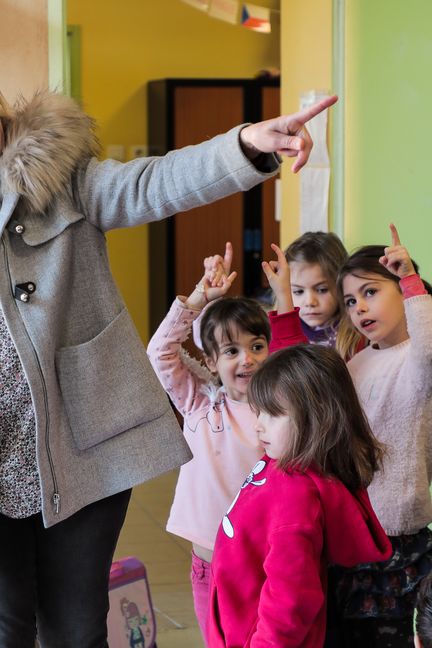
(19, 481)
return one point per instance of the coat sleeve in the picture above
(181, 376)
(286, 330)
(113, 194)
(292, 595)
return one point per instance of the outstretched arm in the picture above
(111, 194)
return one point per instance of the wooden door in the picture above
(270, 226)
(200, 112)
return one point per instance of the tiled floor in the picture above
(167, 559)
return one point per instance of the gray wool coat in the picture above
(103, 422)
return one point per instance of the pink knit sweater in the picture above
(395, 388)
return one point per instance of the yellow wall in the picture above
(306, 64)
(23, 47)
(125, 44)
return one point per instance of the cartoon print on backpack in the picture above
(133, 621)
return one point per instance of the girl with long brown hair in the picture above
(303, 505)
(387, 302)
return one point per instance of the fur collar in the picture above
(46, 138)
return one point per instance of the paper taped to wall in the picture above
(315, 177)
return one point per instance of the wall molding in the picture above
(338, 116)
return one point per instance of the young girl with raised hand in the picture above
(304, 504)
(386, 301)
(314, 260)
(219, 424)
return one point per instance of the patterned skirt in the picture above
(386, 589)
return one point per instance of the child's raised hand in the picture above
(286, 134)
(278, 275)
(396, 258)
(216, 281)
(208, 292)
(215, 266)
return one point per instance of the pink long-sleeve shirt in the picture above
(220, 431)
(395, 389)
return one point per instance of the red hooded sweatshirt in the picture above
(272, 550)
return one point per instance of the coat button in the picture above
(24, 290)
(19, 229)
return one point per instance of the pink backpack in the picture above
(131, 620)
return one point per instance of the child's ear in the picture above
(417, 642)
(210, 363)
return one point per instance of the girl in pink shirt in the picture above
(303, 505)
(219, 424)
(387, 302)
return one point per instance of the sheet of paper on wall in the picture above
(203, 5)
(315, 177)
(224, 10)
(314, 192)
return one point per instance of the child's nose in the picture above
(361, 306)
(311, 298)
(246, 357)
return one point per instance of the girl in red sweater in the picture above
(303, 505)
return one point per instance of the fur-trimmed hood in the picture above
(46, 137)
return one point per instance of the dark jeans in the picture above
(57, 578)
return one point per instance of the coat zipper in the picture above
(56, 494)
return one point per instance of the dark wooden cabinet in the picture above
(188, 111)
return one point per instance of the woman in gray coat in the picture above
(82, 416)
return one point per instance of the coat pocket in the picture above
(108, 385)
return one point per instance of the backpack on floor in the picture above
(131, 620)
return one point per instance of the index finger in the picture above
(306, 114)
(280, 255)
(394, 235)
(228, 256)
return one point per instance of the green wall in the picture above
(388, 129)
